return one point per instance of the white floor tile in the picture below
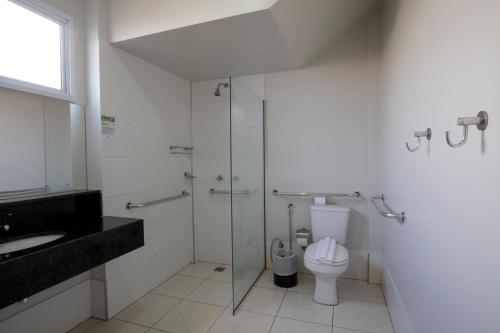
(86, 325)
(266, 280)
(305, 284)
(301, 307)
(225, 276)
(148, 310)
(178, 286)
(360, 291)
(282, 325)
(212, 292)
(117, 326)
(199, 270)
(264, 300)
(190, 317)
(242, 322)
(362, 316)
(346, 330)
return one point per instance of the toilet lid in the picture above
(341, 254)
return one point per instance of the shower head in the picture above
(217, 91)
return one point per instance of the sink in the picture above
(54, 237)
(27, 242)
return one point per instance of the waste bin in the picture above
(285, 268)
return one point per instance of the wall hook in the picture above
(481, 122)
(427, 134)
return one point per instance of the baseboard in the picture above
(397, 309)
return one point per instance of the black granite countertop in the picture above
(72, 232)
(89, 241)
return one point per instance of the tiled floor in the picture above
(198, 300)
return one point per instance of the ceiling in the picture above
(288, 35)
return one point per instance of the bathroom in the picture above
(174, 146)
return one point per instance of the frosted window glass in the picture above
(31, 46)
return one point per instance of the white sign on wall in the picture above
(108, 125)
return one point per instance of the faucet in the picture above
(4, 226)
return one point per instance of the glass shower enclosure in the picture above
(227, 175)
(247, 188)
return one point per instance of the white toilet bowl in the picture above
(325, 291)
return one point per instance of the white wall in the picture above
(212, 213)
(440, 62)
(321, 132)
(152, 112)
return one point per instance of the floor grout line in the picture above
(359, 300)
(129, 322)
(279, 308)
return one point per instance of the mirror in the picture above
(42, 145)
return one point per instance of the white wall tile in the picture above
(57, 314)
(212, 222)
(130, 138)
(127, 287)
(214, 249)
(123, 175)
(152, 111)
(318, 138)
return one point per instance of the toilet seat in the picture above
(340, 259)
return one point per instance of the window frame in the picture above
(67, 55)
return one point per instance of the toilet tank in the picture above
(329, 220)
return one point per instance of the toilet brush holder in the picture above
(285, 268)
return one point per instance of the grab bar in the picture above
(154, 202)
(186, 150)
(390, 213)
(37, 190)
(311, 194)
(214, 191)
(181, 147)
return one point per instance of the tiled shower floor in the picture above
(198, 300)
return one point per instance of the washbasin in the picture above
(26, 242)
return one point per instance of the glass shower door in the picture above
(247, 188)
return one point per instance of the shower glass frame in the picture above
(244, 276)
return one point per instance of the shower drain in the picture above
(219, 269)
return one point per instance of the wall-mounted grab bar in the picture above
(401, 217)
(174, 150)
(427, 134)
(155, 202)
(214, 191)
(310, 194)
(188, 175)
(481, 122)
(181, 147)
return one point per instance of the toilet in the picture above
(328, 220)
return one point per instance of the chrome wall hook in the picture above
(481, 122)
(427, 134)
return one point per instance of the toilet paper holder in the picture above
(302, 235)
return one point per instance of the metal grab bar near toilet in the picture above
(312, 194)
(131, 205)
(401, 217)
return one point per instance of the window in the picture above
(35, 52)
